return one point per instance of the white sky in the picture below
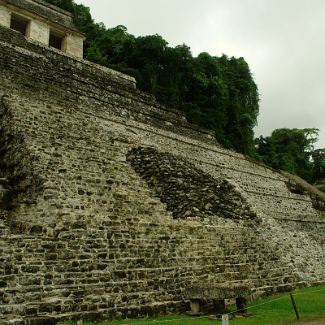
(283, 42)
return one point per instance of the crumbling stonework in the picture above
(19, 182)
(89, 237)
(187, 190)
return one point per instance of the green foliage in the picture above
(217, 93)
(290, 150)
(318, 165)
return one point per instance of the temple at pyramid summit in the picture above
(113, 205)
(41, 22)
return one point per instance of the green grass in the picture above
(275, 310)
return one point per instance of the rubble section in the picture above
(18, 181)
(187, 190)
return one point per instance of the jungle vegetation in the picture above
(293, 150)
(217, 93)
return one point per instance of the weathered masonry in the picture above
(114, 206)
(44, 23)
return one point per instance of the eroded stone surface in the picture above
(4, 16)
(86, 236)
(187, 190)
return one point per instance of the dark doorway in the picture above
(19, 24)
(56, 41)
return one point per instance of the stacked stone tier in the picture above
(88, 237)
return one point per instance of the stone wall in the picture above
(45, 10)
(86, 234)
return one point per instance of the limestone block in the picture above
(73, 44)
(195, 307)
(38, 31)
(5, 16)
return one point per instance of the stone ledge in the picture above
(217, 292)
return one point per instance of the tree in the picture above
(318, 156)
(148, 57)
(290, 150)
(217, 93)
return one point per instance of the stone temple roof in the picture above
(46, 11)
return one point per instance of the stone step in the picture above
(11, 319)
(15, 309)
(4, 230)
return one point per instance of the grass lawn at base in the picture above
(275, 310)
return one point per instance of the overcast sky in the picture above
(283, 42)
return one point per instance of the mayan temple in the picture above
(112, 205)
